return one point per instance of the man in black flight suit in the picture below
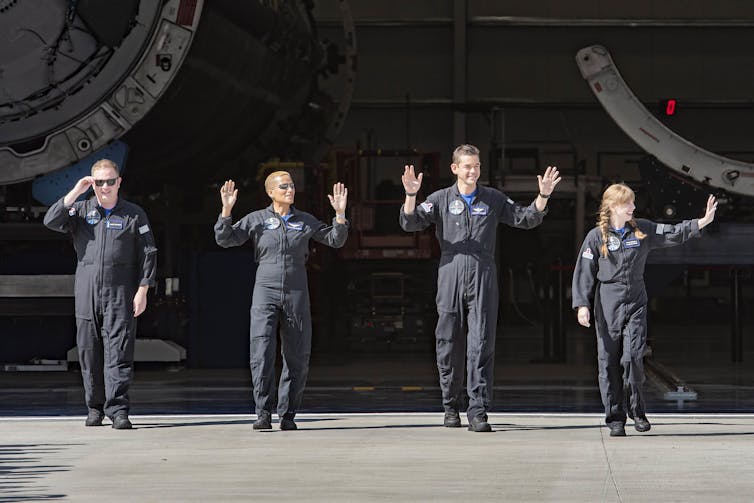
(466, 216)
(116, 266)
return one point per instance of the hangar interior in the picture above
(192, 93)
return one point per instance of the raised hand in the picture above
(709, 214)
(228, 195)
(338, 198)
(548, 181)
(411, 183)
(83, 184)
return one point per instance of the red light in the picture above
(669, 107)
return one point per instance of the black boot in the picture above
(617, 429)
(452, 419)
(121, 422)
(479, 424)
(263, 422)
(288, 424)
(94, 418)
(641, 424)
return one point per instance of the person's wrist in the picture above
(411, 194)
(544, 196)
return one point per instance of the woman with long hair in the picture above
(609, 280)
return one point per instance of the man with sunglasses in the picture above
(117, 257)
(280, 235)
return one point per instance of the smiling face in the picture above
(281, 190)
(107, 195)
(622, 213)
(467, 170)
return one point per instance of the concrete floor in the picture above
(377, 457)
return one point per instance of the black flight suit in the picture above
(280, 297)
(467, 290)
(116, 255)
(613, 288)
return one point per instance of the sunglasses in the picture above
(286, 186)
(110, 182)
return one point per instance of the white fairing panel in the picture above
(640, 125)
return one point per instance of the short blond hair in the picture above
(268, 182)
(105, 163)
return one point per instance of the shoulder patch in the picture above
(71, 211)
(143, 229)
(660, 229)
(426, 206)
(510, 201)
(587, 254)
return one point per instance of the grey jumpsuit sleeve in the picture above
(331, 235)
(585, 272)
(667, 235)
(58, 217)
(147, 251)
(521, 217)
(424, 215)
(228, 234)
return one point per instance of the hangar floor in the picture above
(377, 457)
(371, 430)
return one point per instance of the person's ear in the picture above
(454, 168)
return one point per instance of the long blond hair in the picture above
(617, 193)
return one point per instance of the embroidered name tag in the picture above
(479, 210)
(114, 223)
(631, 243)
(296, 226)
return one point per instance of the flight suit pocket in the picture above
(607, 270)
(121, 248)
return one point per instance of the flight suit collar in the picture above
(457, 193)
(271, 209)
(93, 204)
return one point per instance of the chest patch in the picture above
(272, 223)
(456, 207)
(296, 226)
(93, 217)
(613, 243)
(479, 211)
(631, 243)
(114, 223)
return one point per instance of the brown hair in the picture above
(269, 180)
(618, 193)
(464, 149)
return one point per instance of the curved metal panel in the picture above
(677, 153)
